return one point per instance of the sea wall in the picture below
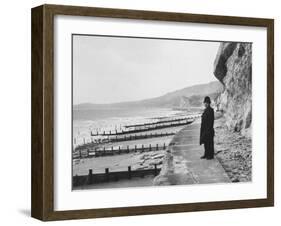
(166, 171)
(233, 68)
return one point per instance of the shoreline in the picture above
(137, 161)
(232, 155)
(232, 152)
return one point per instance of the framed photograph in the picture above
(142, 112)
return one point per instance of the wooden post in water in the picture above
(129, 172)
(155, 170)
(119, 150)
(135, 148)
(88, 153)
(90, 176)
(103, 150)
(149, 147)
(80, 154)
(164, 146)
(156, 147)
(107, 174)
(128, 149)
(75, 180)
(142, 147)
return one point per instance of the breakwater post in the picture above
(90, 176)
(107, 174)
(129, 172)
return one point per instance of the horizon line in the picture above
(128, 101)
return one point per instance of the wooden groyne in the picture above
(87, 153)
(93, 145)
(90, 145)
(158, 122)
(135, 137)
(108, 176)
(150, 128)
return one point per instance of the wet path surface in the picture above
(183, 164)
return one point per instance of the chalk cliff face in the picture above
(233, 68)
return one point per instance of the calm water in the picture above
(97, 120)
(97, 114)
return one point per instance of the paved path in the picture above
(184, 166)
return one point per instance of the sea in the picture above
(87, 121)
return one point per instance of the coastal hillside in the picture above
(233, 68)
(191, 96)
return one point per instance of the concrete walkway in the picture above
(183, 164)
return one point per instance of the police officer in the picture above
(207, 129)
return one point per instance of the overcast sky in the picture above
(112, 69)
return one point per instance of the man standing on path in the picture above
(207, 130)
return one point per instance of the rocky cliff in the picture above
(233, 68)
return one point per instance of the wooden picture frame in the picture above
(42, 203)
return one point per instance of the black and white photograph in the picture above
(145, 112)
(159, 112)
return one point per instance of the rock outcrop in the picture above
(233, 68)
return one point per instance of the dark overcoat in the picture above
(207, 126)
